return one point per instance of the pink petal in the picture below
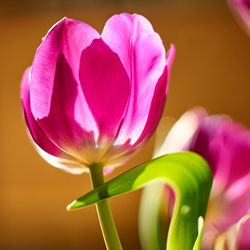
(45, 147)
(233, 158)
(207, 142)
(105, 85)
(238, 201)
(240, 152)
(128, 35)
(68, 37)
(37, 134)
(57, 101)
(158, 100)
(243, 239)
(170, 57)
(64, 162)
(238, 188)
(143, 56)
(241, 9)
(60, 124)
(155, 112)
(181, 134)
(108, 170)
(235, 237)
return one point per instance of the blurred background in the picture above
(211, 69)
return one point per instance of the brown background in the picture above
(211, 69)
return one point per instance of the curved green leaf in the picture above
(189, 176)
(154, 217)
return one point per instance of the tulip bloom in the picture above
(91, 98)
(226, 147)
(241, 8)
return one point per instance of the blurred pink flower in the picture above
(95, 98)
(241, 9)
(226, 147)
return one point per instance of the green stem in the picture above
(106, 220)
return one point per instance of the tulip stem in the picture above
(106, 220)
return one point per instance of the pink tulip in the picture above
(95, 98)
(226, 147)
(241, 8)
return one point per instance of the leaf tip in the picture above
(71, 206)
(200, 223)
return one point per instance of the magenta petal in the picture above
(143, 56)
(240, 153)
(243, 239)
(226, 146)
(37, 134)
(156, 108)
(132, 37)
(60, 124)
(208, 142)
(230, 147)
(108, 170)
(158, 100)
(45, 147)
(170, 58)
(105, 85)
(65, 162)
(68, 37)
(238, 201)
(241, 8)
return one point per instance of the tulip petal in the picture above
(143, 56)
(230, 146)
(60, 124)
(174, 136)
(130, 36)
(69, 164)
(45, 147)
(156, 109)
(105, 85)
(236, 236)
(170, 57)
(67, 37)
(207, 141)
(238, 202)
(35, 131)
(243, 239)
(158, 100)
(240, 153)
(241, 10)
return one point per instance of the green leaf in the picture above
(154, 217)
(189, 176)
